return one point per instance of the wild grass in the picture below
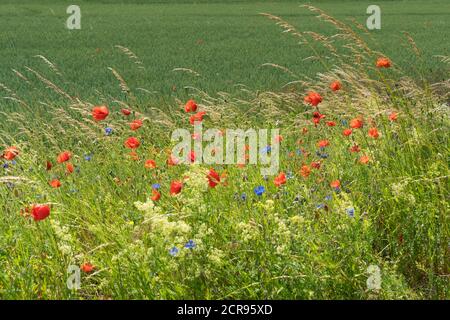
(298, 241)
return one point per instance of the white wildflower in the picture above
(216, 257)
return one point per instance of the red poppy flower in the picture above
(364, 159)
(172, 160)
(100, 113)
(191, 156)
(355, 148)
(316, 164)
(150, 164)
(155, 195)
(190, 106)
(305, 130)
(323, 143)
(87, 267)
(278, 138)
(383, 63)
(335, 86)
(40, 211)
(313, 98)
(347, 132)
(10, 153)
(198, 117)
(55, 183)
(175, 187)
(69, 167)
(356, 123)
(305, 171)
(280, 179)
(132, 143)
(125, 112)
(331, 123)
(317, 116)
(373, 132)
(63, 157)
(393, 116)
(48, 165)
(335, 184)
(136, 124)
(213, 178)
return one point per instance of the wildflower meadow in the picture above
(331, 184)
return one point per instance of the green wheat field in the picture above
(95, 204)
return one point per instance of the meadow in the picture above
(89, 184)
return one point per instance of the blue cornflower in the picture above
(259, 190)
(244, 196)
(320, 206)
(190, 244)
(266, 149)
(323, 155)
(156, 186)
(328, 198)
(88, 157)
(14, 162)
(350, 212)
(174, 251)
(289, 175)
(5, 165)
(344, 122)
(108, 131)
